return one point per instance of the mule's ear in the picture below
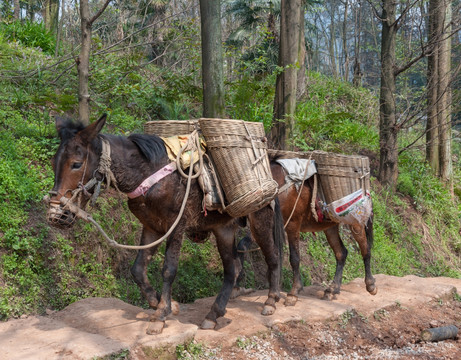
(61, 123)
(92, 130)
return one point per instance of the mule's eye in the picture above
(76, 165)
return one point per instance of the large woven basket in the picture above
(340, 175)
(239, 152)
(167, 128)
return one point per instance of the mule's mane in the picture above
(150, 146)
(69, 128)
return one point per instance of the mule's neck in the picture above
(128, 164)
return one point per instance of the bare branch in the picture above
(404, 13)
(98, 14)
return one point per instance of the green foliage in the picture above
(192, 350)
(199, 272)
(30, 34)
(335, 116)
(251, 100)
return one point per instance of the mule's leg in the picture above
(231, 266)
(242, 247)
(364, 237)
(293, 243)
(340, 252)
(170, 268)
(262, 224)
(139, 268)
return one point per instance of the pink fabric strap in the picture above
(153, 179)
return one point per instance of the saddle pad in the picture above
(174, 143)
(296, 168)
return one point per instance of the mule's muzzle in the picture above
(58, 216)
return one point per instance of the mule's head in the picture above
(74, 164)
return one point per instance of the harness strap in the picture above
(153, 179)
(285, 186)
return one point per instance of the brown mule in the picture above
(77, 164)
(302, 220)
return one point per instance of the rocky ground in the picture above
(391, 333)
(356, 325)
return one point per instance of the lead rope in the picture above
(87, 217)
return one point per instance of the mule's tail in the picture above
(279, 233)
(369, 231)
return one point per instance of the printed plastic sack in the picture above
(352, 209)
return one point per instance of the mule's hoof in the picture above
(373, 291)
(291, 300)
(268, 310)
(239, 291)
(155, 328)
(208, 324)
(174, 307)
(328, 295)
(153, 303)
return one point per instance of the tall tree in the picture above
(387, 115)
(444, 58)
(432, 129)
(51, 15)
(357, 77)
(212, 58)
(286, 85)
(83, 60)
(344, 41)
(389, 126)
(438, 128)
(302, 56)
(16, 10)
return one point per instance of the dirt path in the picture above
(355, 323)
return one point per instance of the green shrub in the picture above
(335, 116)
(30, 34)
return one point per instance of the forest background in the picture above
(145, 63)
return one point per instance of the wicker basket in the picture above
(340, 175)
(238, 150)
(167, 128)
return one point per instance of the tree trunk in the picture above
(432, 126)
(285, 91)
(302, 55)
(332, 43)
(212, 59)
(83, 63)
(83, 60)
(51, 15)
(59, 33)
(438, 129)
(345, 50)
(357, 79)
(16, 10)
(388, 164)
(444, 105)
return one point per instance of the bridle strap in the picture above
(103, 169)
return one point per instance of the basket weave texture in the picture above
(167, 128)
(340, 175)
(239, 152)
